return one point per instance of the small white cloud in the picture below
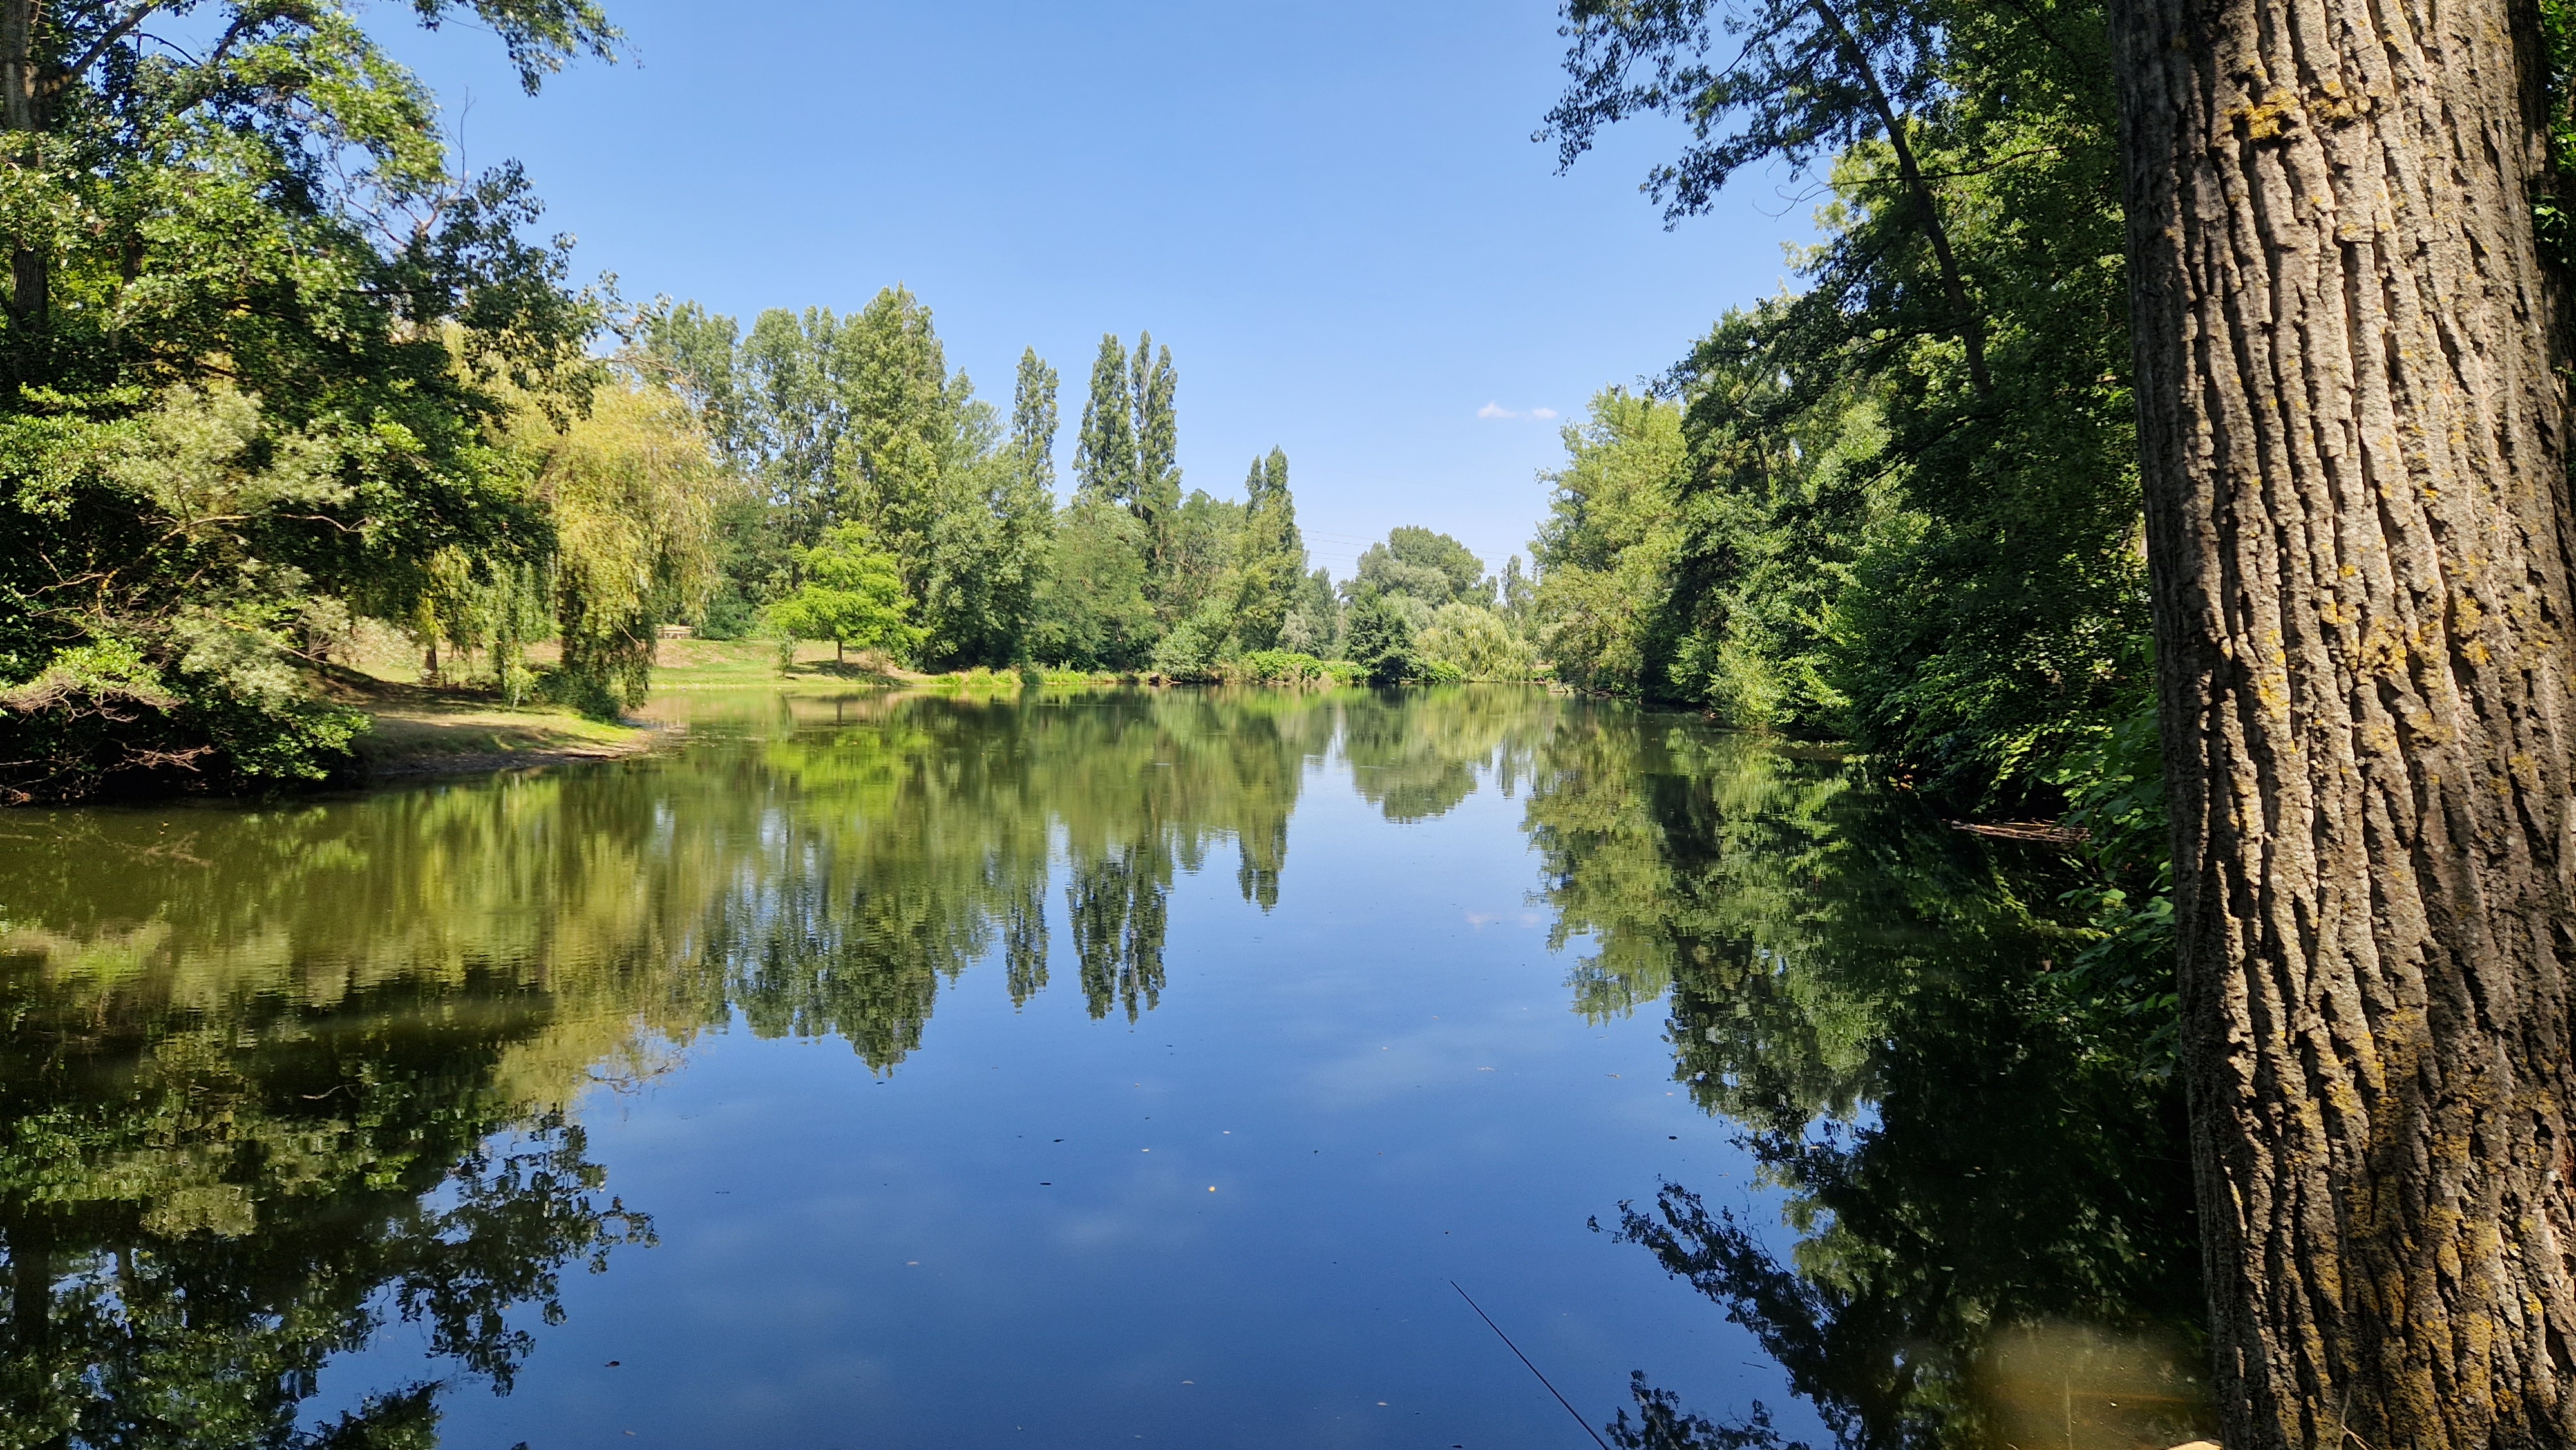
(1542, 412)
(1495, 410)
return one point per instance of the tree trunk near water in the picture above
(2358, 530)
(24, 114)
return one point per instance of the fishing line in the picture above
(1533, 1369)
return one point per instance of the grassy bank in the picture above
(422, 728)
(752, 664)
(418, 729)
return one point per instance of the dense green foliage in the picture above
(851, 594)
(1899, 507)
(856, 423)
(1994, 1240)
(1421, 606)
(267, 367)
(274, 379)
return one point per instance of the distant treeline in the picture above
(883, 505)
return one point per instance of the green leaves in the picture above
(540, 35)
(1033, 422)
(853, 595)
(1901, 506)
(1104, 450)
(257, 348)
(857, 421)
(1803, 80)
(1270, 557)
(1092, 609)
(1380, 643)
(1607, 550)
(1477, 644)
(1420, 564)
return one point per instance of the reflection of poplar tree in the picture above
(1119, 907)
(1263, 854)
(1024, 943)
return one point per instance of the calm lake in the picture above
(1099, 1070)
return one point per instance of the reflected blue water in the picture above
(1094, 1071)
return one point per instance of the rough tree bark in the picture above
(2359, 534)
(23, 93)
(41, 54)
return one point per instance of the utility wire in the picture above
(1533, 1369)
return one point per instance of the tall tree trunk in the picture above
(24, 90)
(23, 94)
(2358, 528)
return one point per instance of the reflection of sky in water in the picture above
(1381, 1081)
(1120, 1069)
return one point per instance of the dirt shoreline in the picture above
(429, 730)
(400, 764)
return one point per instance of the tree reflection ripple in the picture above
(1983, 1165)
(279, 1077)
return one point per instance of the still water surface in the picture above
(1091, 1071)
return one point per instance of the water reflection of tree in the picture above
(271, 1078)
(199, 1207)
(887, 857)
(1415, 754)
(882, 847)
(1989, 1198)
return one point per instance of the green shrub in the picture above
(1477, 644)
(1381, 643)
(1194, 652)
(1291, 669)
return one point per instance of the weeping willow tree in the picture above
(633, 490)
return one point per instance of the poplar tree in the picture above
(1271, 560)
(1023, 510)
(1104, 452)
(1033, 422)
(1158, 470)
(1158, 432)
(902, 418)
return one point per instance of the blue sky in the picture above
(1332, 212)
